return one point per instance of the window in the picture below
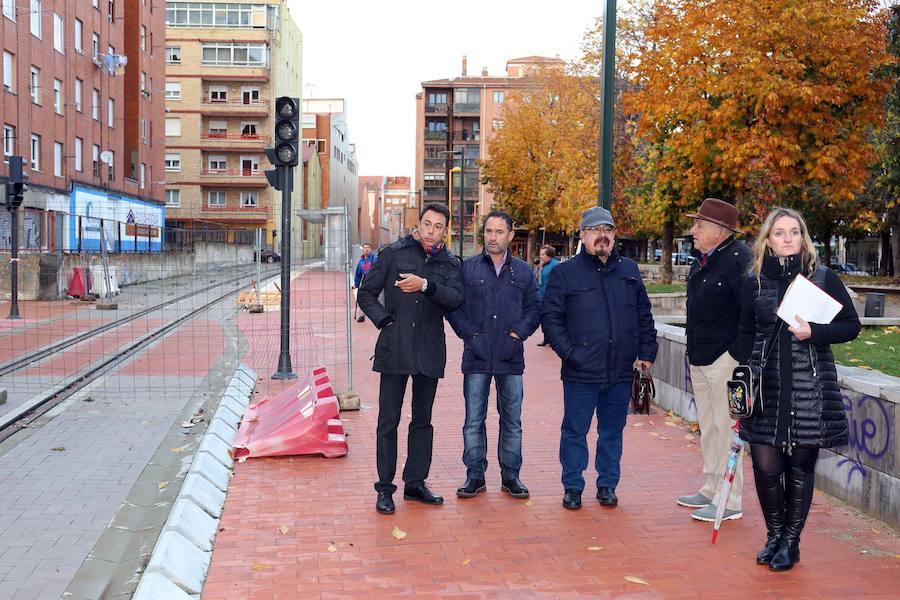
(58, 34)
(79, 149)
(78, 85)
(35, 85)
(35, 18)
(499, 97)
(249, 199)
(437, 98)
(217, 163)
(112, 162)
(208, 14)
(9, 71)
(35, 152)
(173, 198)
(497, 124)
(173, 90)
(111, 12)
(248, 130)
(218, 129)
(95, 104)
(9, 9)
(95, 3)
(173, 126)
(249, 166)
(250, 95)
(79, 29)
(218, 93)
(143, 172)
(216, 198)
(235, 54)
(173, 161)
(143, 82)
(466, 99)
(57, 96)
(143, 39)
(320, 146)
(96, 160)
(173, 54)
(9, 140)
(143, 130)
(95, 47)
(57, 159)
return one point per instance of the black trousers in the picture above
(421, 433)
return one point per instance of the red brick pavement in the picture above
(306, 527)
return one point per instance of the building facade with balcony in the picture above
(226, 62)
(75, 106)
(455, 121)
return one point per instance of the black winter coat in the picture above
(714, 302)
(802, 405)
(493, 306)
(411, 341)
(597, 318)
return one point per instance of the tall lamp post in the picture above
(607, 104)
(461, 169)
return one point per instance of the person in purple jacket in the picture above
(366, 260)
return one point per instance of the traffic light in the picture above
(274, 177)
(286, 151)
(15, 187)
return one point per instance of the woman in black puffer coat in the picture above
(802, 409)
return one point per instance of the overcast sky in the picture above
(376, 54)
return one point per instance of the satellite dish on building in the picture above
(106, 157)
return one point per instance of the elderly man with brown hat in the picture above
(713, 312)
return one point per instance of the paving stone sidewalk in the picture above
(305, 527)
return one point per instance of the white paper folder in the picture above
(806, 299)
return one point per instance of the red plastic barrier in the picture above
(303, 419)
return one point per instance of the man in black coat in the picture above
(421, 285)
(713, 313)
(500, 309)
(596, 316)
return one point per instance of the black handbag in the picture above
(745, 386)
(642, 392)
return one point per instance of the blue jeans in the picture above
(476, 387)
(580, 401)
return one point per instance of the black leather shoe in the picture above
(421, 493)
(607, 497)
(768, 551)
(385, 504)
(787, 556)
(471, 488)
(572, 499)
(514, 487)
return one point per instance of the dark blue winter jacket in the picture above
(597, 318)
(493, 306)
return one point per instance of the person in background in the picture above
(802, 409)
(366, 260)
(547, 256)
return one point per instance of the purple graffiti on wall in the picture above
(867, 437)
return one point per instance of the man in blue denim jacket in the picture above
(501, 308)
(596, 316)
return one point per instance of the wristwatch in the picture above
(424, 284)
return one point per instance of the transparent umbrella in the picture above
(734, 456)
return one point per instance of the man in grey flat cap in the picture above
(596, 316)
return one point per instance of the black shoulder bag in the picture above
(745, 385)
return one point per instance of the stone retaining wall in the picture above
(865, 473)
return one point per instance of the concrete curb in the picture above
(181, 556)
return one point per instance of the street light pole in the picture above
(462, 197)
(607, 88)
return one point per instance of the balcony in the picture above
(466, 136)
(236, 107)
(435, 136)
(261, 102)
(238, 137)
(436, 193)
(230, 172)
(467, 108)
(436, 164)
(436, 109)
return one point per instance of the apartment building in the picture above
(387, 207)
(461, 114)
(77, 105)
(325, 128)
(226, 62)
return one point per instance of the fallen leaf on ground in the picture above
(595, 548)
(633, 579)
(868, 343)
(147, 423)
(650, 423)
(398, 533)
(694, 427)
(655, 434)
(59, 449)
(258, 566)
(187, 424)
(177, 450)
(689, 436)
(529, 503)
(161, 485)
(671, 424)
(332, 547)
(854, 360)
(284, 529)
(662, 437)
(637, 424)
(467, 561)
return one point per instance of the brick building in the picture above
(77, 105)
(461, 114)
(226, 62)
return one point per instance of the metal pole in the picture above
(14, 263)
(607, 88)
(258, 261)
(347, 266)
(462, 197)
(285, 371)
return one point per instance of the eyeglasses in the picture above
(601, 228)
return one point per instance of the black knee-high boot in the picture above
(798, 498)
(770, 491)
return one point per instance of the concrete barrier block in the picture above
(240, 385)
(222, 430)
(218, 449)
(214, 471)
(154, 586)
(203, 493)
(227, 416)
(233, 405)
(193, 523)
(247, 375)
(180, 561)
